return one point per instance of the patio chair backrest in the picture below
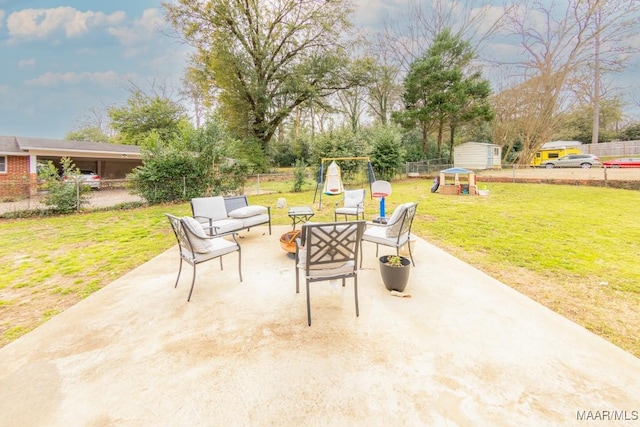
(209, 207)
(179, 232)
(353, 198)
(408, 218)
(329, 245)
(401, 220)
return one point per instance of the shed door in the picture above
(489, 156)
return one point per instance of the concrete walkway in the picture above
(464, 350)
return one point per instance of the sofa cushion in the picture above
(353, 198)
(197, 238)
(194, 227)
(209, 207)
(348, 211)
(247, 211)
(255, 220)
(223, 226)
(377, 234)
(395, 222)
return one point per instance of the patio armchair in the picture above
(395, 233)
(353, 204)
(329, 251)
(196, 247)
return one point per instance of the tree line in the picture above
(285, 79)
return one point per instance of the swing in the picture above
(333, 183)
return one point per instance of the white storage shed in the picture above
(477, 155)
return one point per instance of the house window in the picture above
(3, 164)
(496, 151)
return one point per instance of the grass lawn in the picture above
(574, 249)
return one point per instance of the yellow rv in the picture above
(555, 149)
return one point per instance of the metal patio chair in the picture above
(196, 247)
(395, 233)
(353, 204)
(328, 251)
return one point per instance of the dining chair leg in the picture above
(410, 253)
(308, 306)
(179, 271)
(240, 264)
(193, 282)
(355, 292)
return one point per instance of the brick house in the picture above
(19, 157)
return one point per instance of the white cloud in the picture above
(487, 16)
(72, 78)
(26, 63)
(43, 23)
(143, 29)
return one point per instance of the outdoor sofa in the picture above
(222, 215)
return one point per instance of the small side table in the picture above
(300, 214)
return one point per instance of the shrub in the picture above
(64, 194)
(299, 175)
(194, 163)
(386, 156)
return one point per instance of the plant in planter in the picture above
(395, 271)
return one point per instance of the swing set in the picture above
(333, 186)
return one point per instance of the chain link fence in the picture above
(16, 196)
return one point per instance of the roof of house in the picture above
(560, 144)
(477, 143)
(22, 146)
(9, 145)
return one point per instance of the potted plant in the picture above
(395, 271)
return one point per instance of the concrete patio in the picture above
(464, 350)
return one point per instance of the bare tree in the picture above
(353, 100)
(407, 38)
(557, 41)
(192, 91)
(94, 125)
(615, 22)
(383, 91)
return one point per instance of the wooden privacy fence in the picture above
(615, 148)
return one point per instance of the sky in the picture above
(59, 60)
(63, 60)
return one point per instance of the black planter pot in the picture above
(395, 278)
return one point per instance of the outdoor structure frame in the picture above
(370, 174)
